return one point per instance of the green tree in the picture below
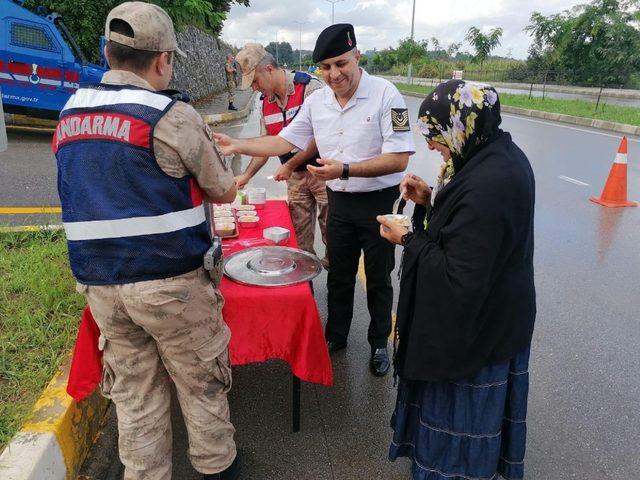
(453, 49)
(384, 60)
(437, 52)
(483, 43)
(596, 43)
(85, 18)
(410, 51)
(283, 53)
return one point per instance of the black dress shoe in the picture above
(335, 346)
(379, 363)
(232, 472)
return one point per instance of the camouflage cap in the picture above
(248, 58)
(152, 28)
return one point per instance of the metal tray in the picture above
(272, 266)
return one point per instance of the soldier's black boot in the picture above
(379, 362)
(232, 107)
(231, 473)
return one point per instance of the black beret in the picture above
(333, 41)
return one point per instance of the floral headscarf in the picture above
(463, 116)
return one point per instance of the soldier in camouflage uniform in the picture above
(230, 69)
(132, 178)
(283, 94)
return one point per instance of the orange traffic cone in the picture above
(615, 190)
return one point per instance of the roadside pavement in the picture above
(214, 110)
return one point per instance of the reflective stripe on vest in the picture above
(132, 227)
(276, 119)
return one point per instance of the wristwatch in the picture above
(345, 172)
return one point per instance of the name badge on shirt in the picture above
(400, 119)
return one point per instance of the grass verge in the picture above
(576, 108)
(39, 312)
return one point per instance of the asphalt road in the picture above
(584, 413)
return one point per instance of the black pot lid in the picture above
(272, 266)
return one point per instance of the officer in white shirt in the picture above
(361, 127)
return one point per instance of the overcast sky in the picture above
(382, 23)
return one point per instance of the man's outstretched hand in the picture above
(226, 144)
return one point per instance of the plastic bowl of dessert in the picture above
(248, 220)
(402, 220)
(224, 216)
(257, 197)
(246, 209)
(222, 206)
(278, 235)
(225, 228)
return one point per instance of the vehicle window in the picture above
(31, 37)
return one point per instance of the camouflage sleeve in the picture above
(314, 84)
(183, 144)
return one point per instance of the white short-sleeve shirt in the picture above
(362, 130)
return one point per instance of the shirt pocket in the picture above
(365, 138)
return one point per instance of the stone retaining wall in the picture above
(202, 73)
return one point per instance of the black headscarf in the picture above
(467, 297)
(463, 116)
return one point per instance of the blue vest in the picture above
(125, 219)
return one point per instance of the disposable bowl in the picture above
(248, 220)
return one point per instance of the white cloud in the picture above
(382, 23)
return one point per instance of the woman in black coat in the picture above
(466, 308)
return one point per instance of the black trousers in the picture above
(352, 228)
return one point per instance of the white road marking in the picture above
(549, 122)
(573, 180)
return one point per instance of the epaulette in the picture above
(301, 77)
(176, 95)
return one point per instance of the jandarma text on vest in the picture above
(96, 125)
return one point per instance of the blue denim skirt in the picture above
(465, 430)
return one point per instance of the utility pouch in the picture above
(214, 261)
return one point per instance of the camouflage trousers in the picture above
(231, 87)
(308, 199)
(157, 330)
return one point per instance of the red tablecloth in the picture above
(280, 322)
(86, 364)
(265, 323)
